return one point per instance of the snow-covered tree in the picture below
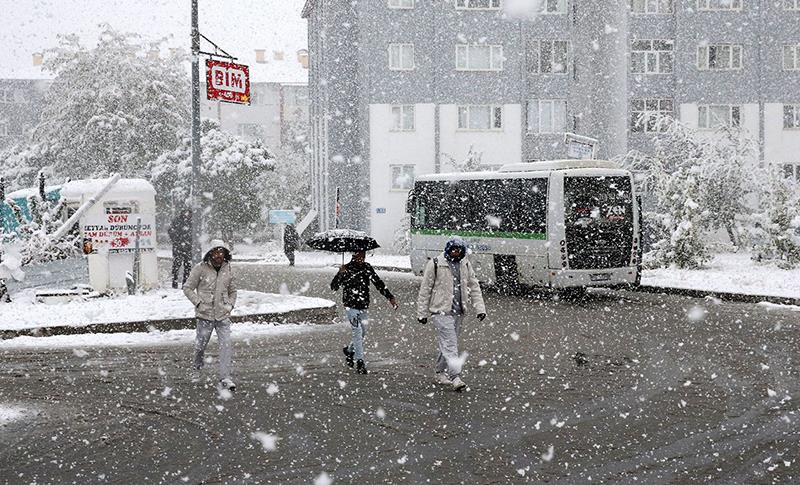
(231, 171)
(112, 108)
(774, 227)
(683, 218)
(693, 185)
(33, 236)
(472, 162)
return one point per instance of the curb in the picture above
(722, 295)
(319, 316)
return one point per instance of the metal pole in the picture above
(195, 184)
(137, 254)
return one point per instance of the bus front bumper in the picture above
(567, 278)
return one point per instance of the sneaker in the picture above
(348, 356)
(458, 384)
(360, 367)
(227, 384)
(441, 378)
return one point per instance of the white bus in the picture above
(559, 224)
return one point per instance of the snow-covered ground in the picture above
(25, 313)
(243, 331)
(733, 273)
(9, 413)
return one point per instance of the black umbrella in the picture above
(342, 241)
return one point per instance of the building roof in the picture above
(26, 70)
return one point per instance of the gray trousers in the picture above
(204, 329)
(448, 328)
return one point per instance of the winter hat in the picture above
(455, 242)
(217, 243)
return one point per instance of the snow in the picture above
(731, 273)
(9, 413)
(25, 313)
(243, 331)
(78, 189)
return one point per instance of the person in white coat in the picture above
(211, 290)
(449, 289)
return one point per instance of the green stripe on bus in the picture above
(508, 235)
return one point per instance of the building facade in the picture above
(400, 88)
(20, 107)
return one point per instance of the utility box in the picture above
(119, 232)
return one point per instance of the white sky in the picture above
(238, 26)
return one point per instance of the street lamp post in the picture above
(195, 184)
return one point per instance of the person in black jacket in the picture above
(355, 278)
(180, 233)
(291, 242)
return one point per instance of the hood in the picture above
(214, 244)
(455, 241)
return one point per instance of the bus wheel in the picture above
(506, 275)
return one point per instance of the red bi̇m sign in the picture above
(227, 81)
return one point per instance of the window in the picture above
(719, 57)
(651, 56)
(646, 113)
(791, 116)
(479, 57)
(402, 177)
(401, 57)
(553, 7)
(791, 58)
(6, 96)
(547, 116)
(711, 117)
(651, 6)
(480, 117)
(548, 56)
(498, 205)
(249, 130)
(477, 4)
(403, 118)
(401, 3)
(791, 4)
(3, 128)
(790, 171)
(719, 4)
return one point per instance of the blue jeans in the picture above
(358, 321)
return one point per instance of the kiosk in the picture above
(118, 230)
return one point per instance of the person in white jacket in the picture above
(210, 288)
(449, 289)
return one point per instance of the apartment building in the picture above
(401, 87)
(22, 90)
